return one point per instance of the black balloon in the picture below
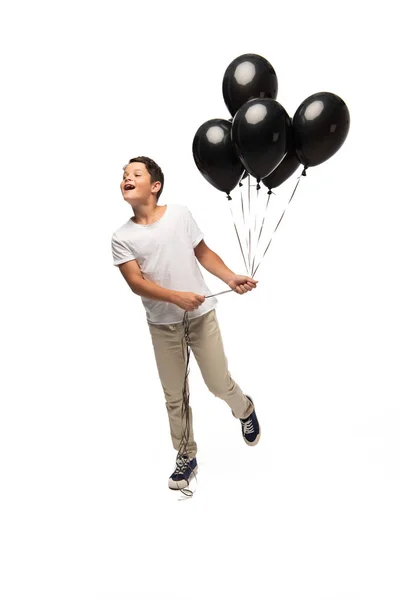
(214, 155)
(286, 168)
(248, 76)
(321, 124)
(260, 135)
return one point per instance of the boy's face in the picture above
(136, 185)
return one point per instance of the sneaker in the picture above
(185, 470)
(250, 428)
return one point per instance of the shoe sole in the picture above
(180, 485)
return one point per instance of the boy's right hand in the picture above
(188, 300)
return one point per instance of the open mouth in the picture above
(127, 188)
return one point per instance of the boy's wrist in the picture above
(229, 278)
(172, 297)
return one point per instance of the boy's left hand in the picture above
(242, 283)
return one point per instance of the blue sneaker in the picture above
(250, 428)
(186, 469)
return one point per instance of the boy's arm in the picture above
(212, 262)
(142, 287)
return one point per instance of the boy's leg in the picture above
(206, 343)
(171, 365)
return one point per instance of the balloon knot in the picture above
(229, 197)
(258, 185)
(241, 179)
(304, 171)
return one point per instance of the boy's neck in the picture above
(143, 215)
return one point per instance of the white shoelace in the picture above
(181, 465)
(248, 426)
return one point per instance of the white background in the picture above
(312, 511)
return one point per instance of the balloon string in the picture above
(262, 226)
(185, 416)
(241, 199)
(255, 216)
(240, 243)
(269, 243)
(244, 219)
(249, 223)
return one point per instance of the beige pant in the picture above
(207, 347)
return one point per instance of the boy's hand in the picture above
(188, 300)
(242, 283)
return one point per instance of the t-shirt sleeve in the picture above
(120, 251)
(195, 234)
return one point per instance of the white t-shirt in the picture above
(164, 251)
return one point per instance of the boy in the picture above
(157, 252)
